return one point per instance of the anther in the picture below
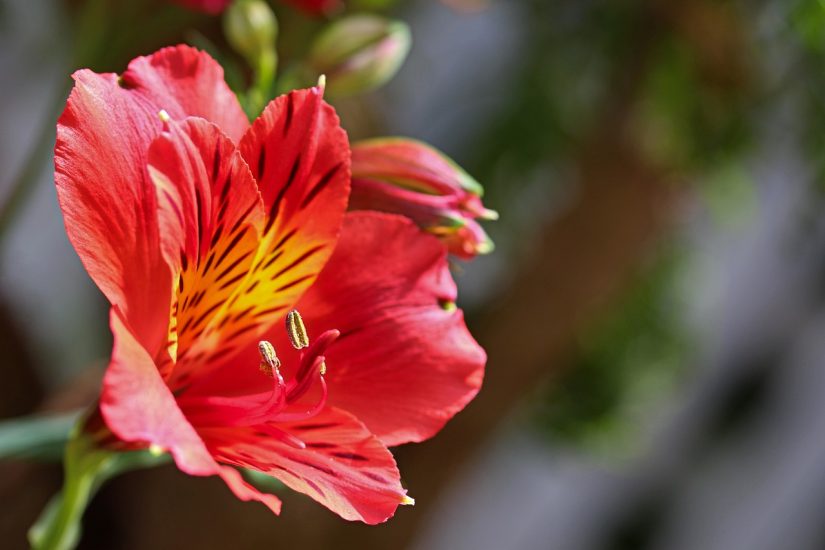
(447, 305)
(164, 116)
(296, 330)
(269, 360)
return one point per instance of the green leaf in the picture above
(36, 437)
(263, 482)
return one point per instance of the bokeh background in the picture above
(654, 312)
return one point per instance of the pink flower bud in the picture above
(404, 176)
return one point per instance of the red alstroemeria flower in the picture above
(316, 7)
(204, 232)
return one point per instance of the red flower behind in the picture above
(319, 7)
(203, 232)
(316, 7)
(208, 6)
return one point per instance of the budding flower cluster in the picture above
(404, 176)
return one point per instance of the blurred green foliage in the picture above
(565, 72)
(694, 110)
(805, 74)
(628, 361)
(689, 123)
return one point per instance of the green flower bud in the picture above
(360, 53)
(251, 29)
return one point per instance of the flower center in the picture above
(285, 402)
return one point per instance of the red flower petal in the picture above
(185, 82)
(109, 208)
(137, 406)
(211, 217)
(108, 204)
(299, 155)
(343, 466)
(405, 362)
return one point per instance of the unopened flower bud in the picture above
(251, 29)
(404, 176)
(360, 53)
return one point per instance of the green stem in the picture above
(87, 468)
(59, 526)
(261, 91)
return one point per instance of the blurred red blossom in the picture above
(204, 232)
(310, 6)
(316, 6)
(209, 6)
(319, 7)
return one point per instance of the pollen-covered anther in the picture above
(164, 116)
(447, 305)
(269, 359)
(296, 330)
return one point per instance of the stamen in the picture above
(296, 330)
(447, 305)
(318, 348)
(282, 403)
(164, 116)
(315, 409)
(301, 385)
(269, 359)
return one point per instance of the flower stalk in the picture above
(87, 468)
